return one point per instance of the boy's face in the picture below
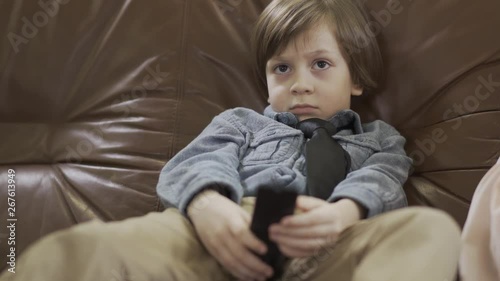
(310, 78)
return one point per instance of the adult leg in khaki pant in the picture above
(409, 244)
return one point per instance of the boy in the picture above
(312, 60)
(308, 74)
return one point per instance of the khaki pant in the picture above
(418, 244)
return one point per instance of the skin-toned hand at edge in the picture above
(319, 223)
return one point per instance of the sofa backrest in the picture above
(442, 92)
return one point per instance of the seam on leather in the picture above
(182, 75)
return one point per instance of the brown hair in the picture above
(283, 20)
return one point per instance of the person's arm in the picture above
(372, 189)
(378, 185)
(211, 160)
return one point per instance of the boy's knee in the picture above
(88, 234)
(430, 222)
(433, 216)
(62, 245)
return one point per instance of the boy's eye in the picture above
(282, 68)
(321, 65)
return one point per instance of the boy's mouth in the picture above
(303, 108)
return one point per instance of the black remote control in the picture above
(272, 205)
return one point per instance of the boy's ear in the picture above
(356, 90)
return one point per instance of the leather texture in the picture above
(96, 96)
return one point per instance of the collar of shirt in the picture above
(344, 119)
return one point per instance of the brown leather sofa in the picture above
(96, 96)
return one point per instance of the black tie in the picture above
(327, 162)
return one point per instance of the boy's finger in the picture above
(307, 203)
(232, 264)
(300, 244)
(251, 242)
(261, 270)
(304, 219)
(243, 262)
(319, 230)
(246, 217)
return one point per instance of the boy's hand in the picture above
(224, 229)
(320, 225)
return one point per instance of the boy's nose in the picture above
(301, 86)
